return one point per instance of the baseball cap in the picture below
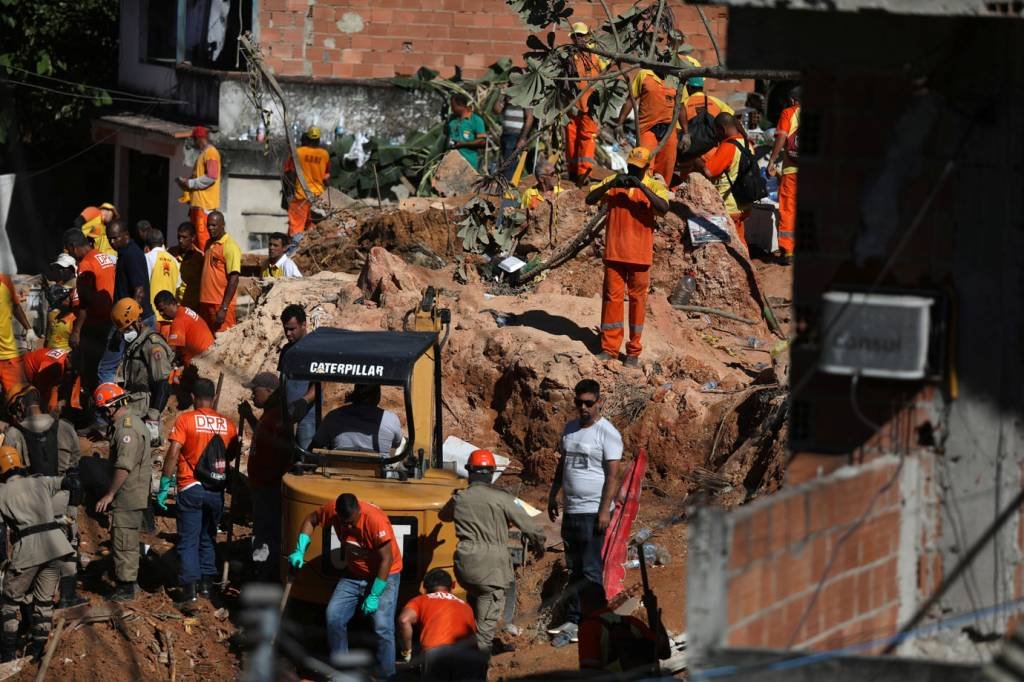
(64, 260)
(313, 133)
(580, 29)
(200, 131)
(639, 157)
(264, 380)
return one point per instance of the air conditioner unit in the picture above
(879, 335)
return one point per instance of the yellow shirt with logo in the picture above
(97, 231)
(8, 299)
(163, 278)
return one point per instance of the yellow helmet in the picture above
(579, 29)
(10, 460)
(313, 133)
(125, 312)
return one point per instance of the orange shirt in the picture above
(371, 532)
(38, 360)
(629, 237)
(695, 104)
(222, 258)
(95, 286)
(655, 100)
(189, 333)
(443, 618)
(587, 66)
(789, 123)
(315, 162)
(723, 165)
(193, 430)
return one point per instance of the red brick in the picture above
(292, 67)
(739, 553)
(793, 574)
(362, 71)
(269, 36)
(745, 594)
(322, 69)
(315, 54)
(383, 71)
(342, 70)
(759, 535)
(294, 36)
(323, 12)
(297, 5)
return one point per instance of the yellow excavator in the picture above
(410, 486)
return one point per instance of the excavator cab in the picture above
(410, 486)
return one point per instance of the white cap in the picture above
(65, 261)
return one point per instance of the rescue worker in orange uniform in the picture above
(45, 368)
(187, 333)
(315, 162)
(633, 199)
(721, 166)
(656, 104)
(12, 374)
(222, 266)
(202, 190)
(787, 147)
(581, 131)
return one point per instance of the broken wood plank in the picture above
(50, 648)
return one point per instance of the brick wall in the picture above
(774, 554)
(382, 38)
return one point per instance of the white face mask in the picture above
(130, 335)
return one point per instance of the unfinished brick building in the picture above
(909, 185)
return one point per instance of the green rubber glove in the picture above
(296, 558)
(373, 599)
(165, 488)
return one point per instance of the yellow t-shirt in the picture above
(532, 197)
(163, 278)
(8, 299)
(98, 232)
(58, 330)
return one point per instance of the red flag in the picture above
(627, 504)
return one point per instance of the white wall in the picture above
(252, 205)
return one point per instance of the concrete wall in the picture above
(252, 205)
(378, 110)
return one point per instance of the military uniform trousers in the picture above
(125, 526)
(488, 604)
(37, 586)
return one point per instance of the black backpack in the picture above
(749, 185)
(701, 128)
(211, 469)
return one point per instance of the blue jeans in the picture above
(347, 599)
(199, 512)
(114, 351)
(306, 429)
(583, 555)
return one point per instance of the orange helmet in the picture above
(481, 459)
(109, 395)
(125, 312)
(10, 459)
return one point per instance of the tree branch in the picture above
(657, 24)
(618, 63)
(683, 72)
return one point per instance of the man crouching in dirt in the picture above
(39, 547)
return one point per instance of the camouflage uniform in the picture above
(145, 367)
(129, 450)
(27, 505)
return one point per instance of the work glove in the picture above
(73, 485)
(296, 558)
(406, 656)
(30, 336)
(373, 599)
(165, 488)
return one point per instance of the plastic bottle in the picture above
(339, 130)
(261, 132)
(683, 293)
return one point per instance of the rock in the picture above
(454, 175)
(386, 277)
(338, 199)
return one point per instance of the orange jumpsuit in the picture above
(656, 103)
(315, 163)
(789, 123)
(45, 369)
(581, 132)
(628, 254)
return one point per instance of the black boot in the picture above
(125, 591)
(68, 596)
(8, 646)
(204, 587)
(36, 647)
(187, 598)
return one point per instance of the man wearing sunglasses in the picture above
(587, 473)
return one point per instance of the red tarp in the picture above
(627, 504)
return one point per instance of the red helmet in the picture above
(108, 395)
(481, 459)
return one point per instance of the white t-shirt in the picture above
(586, 450)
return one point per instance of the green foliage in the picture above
(480, 229)
(541, 13)
(75, 41)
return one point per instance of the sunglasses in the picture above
(588, 403)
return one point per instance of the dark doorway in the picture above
(147, 189)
